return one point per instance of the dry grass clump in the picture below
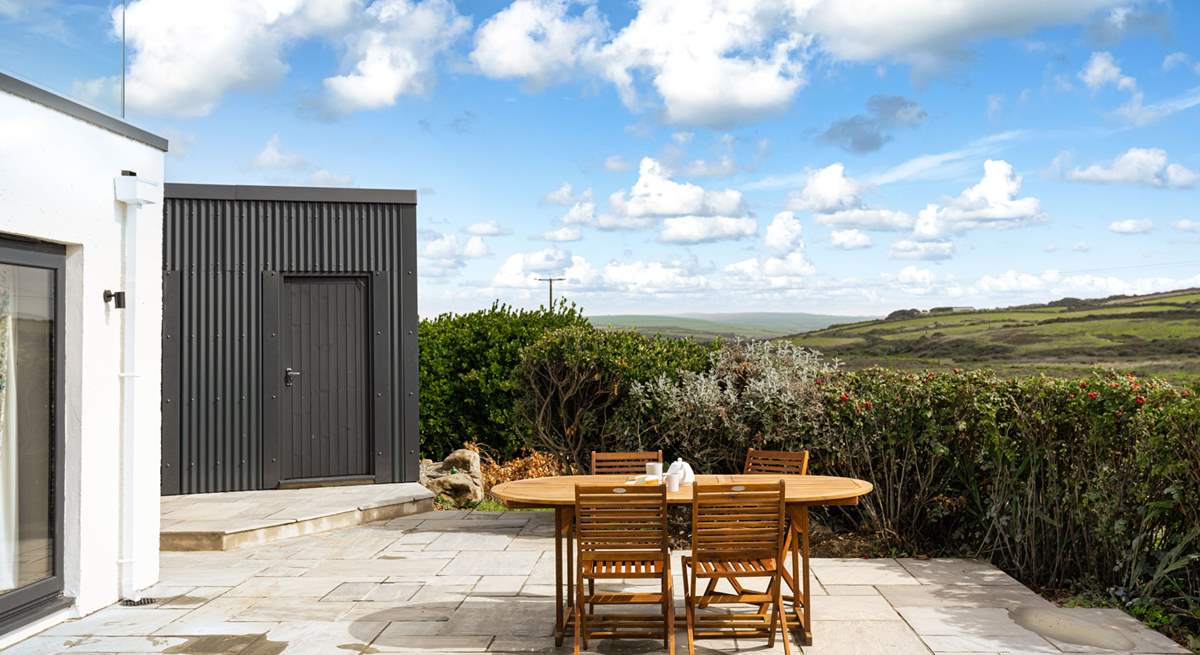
(530, 464)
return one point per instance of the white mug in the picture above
(654, 470)
(673, 480)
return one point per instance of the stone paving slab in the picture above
(475, 582)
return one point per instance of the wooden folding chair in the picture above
(780, 462)
(621, 532)
(737, 531)
(623, 463)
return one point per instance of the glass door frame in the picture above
(17, 606)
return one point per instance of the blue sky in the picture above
(801, 155)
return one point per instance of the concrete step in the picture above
(224, 521)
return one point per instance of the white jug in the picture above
(684, 469)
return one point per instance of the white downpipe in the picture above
(130, 191)
(128, 389)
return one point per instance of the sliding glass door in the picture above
(31, 442)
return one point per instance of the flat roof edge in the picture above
(180, 190)
(41, 96)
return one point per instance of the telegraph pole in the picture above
(551, 280)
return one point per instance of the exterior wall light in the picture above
(117, 298)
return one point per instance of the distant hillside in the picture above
(751, 325)
(1151, 334)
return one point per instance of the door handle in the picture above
(289, 377)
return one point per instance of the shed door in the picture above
(324, 419)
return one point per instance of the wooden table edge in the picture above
(511, 503)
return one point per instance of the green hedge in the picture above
(573, 384)
(466, 370)
(1089, 485)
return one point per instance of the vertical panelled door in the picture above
(325, 427)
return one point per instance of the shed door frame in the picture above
(378, 355)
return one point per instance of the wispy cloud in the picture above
(943, 165)
(933, 166)
(1139, 114)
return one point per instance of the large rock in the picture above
(458, 479)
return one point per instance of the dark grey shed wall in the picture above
(220, 245)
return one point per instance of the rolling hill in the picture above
(748, 325)
(1150, 334)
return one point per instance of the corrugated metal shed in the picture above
(226, 252)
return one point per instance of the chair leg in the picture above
(773, 591)
(579, 625)
(691, 613)
(669, 613)
(591, 593)
(783, 625)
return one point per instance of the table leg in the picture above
(802, 597)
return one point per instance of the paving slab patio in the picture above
(472, 582)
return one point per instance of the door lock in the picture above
(289, 377)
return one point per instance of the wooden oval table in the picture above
(802, 491)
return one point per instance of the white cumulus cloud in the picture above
(784, 236)
(1187, 225)
(392, 52)
(292, 167)
(580, 213)
(750, 55)
(1131, 226)
(704, 229)
(784, 233)
(1102, 70)
(834, 199)
(656, 194)
(487, 229)
(563, 195)
(880, 220)
(564, 233)
(274, 157)
(441, 255)
(924, 32)
(827, 190)
(850, 239)
(773, 271)
(541, 41)
(651, 278)
(184, 56)
(1145, 166)
(926, 250)
(990, 204)
(521, 269)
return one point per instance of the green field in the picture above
(1155, 334)
(747, 325)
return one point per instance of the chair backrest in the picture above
(780, 462)
(738, 521)
(623, 463)
(621, 522)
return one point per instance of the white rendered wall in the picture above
(56, 184)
